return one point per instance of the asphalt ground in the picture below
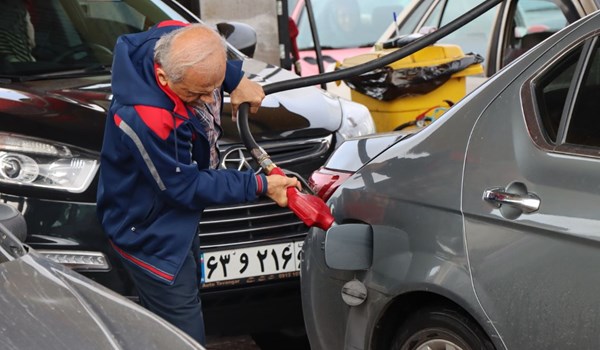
(231, 343)
(244, 342)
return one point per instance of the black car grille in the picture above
(264, 220)
(249, 223)
(293, 155)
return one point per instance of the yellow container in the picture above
(388, 115)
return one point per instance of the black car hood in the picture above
(47, 306)
(73, 110)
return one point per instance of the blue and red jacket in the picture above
(155, 179)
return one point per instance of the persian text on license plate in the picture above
(252, 262)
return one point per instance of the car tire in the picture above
(440, 328)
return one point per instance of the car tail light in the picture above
(325, 181)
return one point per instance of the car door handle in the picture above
(528, 202)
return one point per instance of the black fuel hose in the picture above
(242, 121)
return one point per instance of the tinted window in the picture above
(552, 91)
(44, 36)
(584, 126)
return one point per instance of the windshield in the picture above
(40, 37)
(347, 23)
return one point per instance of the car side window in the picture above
(584, 124)
(532, 22)
(552, 90)
(567, 99)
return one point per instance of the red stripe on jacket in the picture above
(158, 120)
(142, 264)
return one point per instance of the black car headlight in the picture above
(27, 161)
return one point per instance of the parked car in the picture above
(500, 35)
(481, 230)
(52, 116)
(48, 306)
(345, 28)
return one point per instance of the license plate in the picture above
(253, 264)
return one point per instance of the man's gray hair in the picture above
(176, 63)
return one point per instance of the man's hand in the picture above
(277, 188)
(246, 91)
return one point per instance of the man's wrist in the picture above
(233, 75)
(261, 184)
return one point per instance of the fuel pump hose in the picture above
(309, 208)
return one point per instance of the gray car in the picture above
(481, 231)
(48, 306)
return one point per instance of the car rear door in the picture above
(531, 199)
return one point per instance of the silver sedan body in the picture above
(482, 230)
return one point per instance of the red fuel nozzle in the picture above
(309, 208)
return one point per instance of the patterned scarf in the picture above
(210, 117)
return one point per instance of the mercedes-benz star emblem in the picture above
(237, 158)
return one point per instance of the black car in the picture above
(52, 114)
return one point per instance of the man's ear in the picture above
(162, 76)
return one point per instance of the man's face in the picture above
(197, 85)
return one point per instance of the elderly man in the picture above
(159, 158)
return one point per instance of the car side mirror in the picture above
(13, 221)
(239, 35)
(349, 247)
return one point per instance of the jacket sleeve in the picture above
(166, 162)
(233, 75)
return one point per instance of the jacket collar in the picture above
(180, 107)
